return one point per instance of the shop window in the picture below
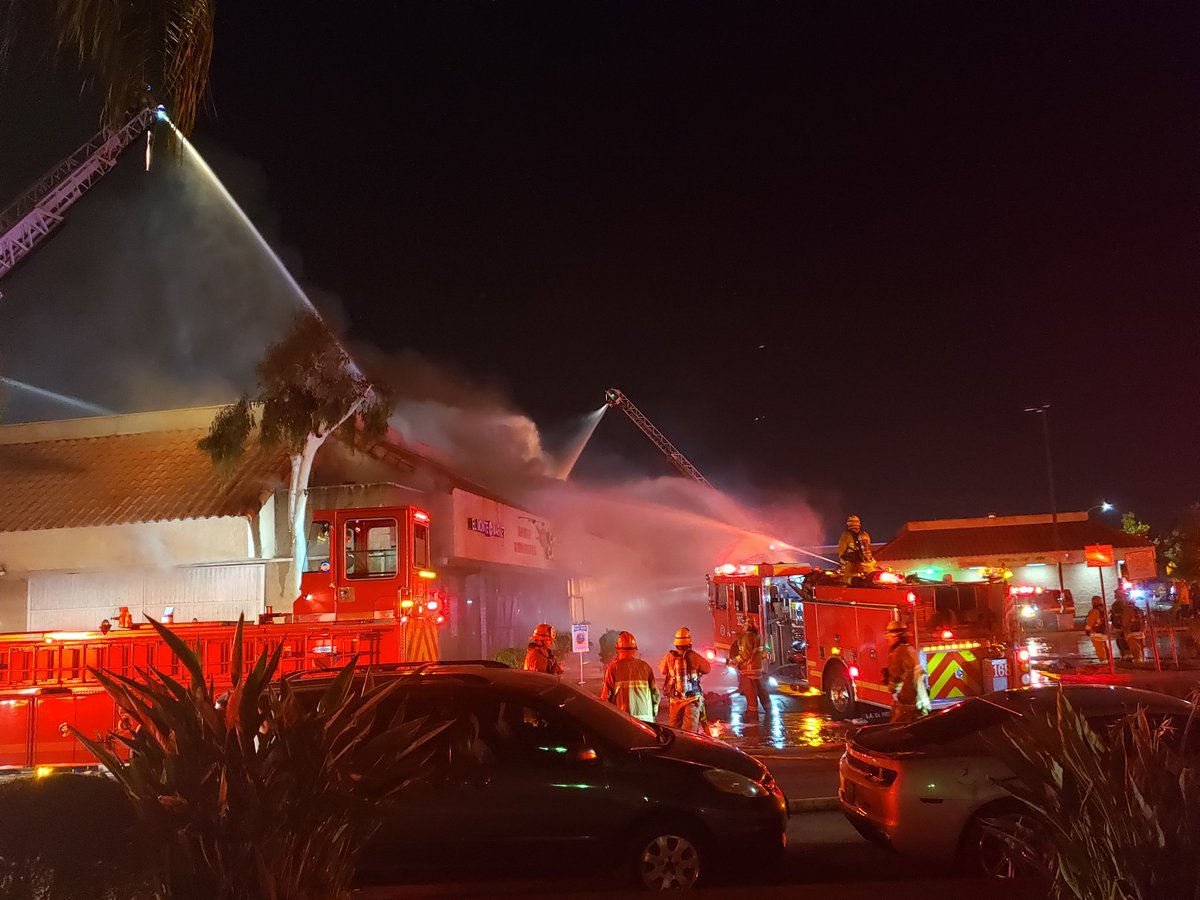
(317, 557)
(370, 548)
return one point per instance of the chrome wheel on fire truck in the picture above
(666, 861)
(839, 693)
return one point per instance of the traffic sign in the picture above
(1098, 555)
(579, 638)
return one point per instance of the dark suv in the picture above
(533, 774)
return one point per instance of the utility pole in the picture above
(1044, 412)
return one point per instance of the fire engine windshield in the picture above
(603, 719)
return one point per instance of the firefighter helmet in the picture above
(683, 637)
(894, 627)
(853, 522)
(626, 641)
(543, 632)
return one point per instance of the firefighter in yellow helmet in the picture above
(747, 655)
(904, 676)
(629, 682)
(540, 655)
(682, 669)
(854, 550)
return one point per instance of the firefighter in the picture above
(630, 683)
(748, 657)
(905, 676)
(1096, 627)
(854, 550)
(540, 655)
(682, 669)
(1133, 624)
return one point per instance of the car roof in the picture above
(1089, 699)
(477, 672)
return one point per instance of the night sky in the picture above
(830, 250)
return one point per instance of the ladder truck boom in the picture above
(618, 400)
(36, 213)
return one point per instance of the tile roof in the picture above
(115, 470)
(978, 539)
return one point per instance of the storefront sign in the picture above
(489, 531)
(1141, 564)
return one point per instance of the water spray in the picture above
(64, 399)
(574, 450)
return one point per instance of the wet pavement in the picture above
(797, 723)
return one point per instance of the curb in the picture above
(813, 804)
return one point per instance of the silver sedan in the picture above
(926, 788)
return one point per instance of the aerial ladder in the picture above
(617, 400)
(36, 213)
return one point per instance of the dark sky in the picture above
(829, 248)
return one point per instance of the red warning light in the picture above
(854, 671)
(1023, 655)
(431, 605)
(441, 619)
(947, 634)
(912, 598)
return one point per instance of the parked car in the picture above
(534, 775)
(925, 788)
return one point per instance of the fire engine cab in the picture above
(367, 591)
(833, 634)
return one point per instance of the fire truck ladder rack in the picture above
(618, 400)
(36, 213)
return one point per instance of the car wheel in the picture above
(839, 694)
(666, 858)
(1004, 844)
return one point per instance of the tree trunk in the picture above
(298, 499)
(299, 509)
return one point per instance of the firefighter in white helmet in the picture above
(682, 669)
(629, 682)
(747, 655)
(854, 550)
(540, 655)
(904, 676)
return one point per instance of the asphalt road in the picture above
(823, 850)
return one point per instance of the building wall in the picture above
(78, 601)
(140, 545)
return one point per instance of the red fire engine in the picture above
(832, 636)
(368, 592)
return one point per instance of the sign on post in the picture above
(1141, 564)
(1098, 555)
(579, 644)
(579, 638)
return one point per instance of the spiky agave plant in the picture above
(1119, 814)
(259, 796)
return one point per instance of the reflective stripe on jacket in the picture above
(629, 684)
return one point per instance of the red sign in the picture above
(1098, 555)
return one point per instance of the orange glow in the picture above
(947, 635)
(835, 651)
(426, 573)
(727, 569)
(406, 604)
(421, 516)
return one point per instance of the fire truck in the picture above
(832, 635)
(367, 591)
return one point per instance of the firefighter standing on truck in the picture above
(630, 683)
(540, 655)
(748, 657)
(854, 550)
(682, 669)
(905, 676)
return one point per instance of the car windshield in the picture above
(604, 719)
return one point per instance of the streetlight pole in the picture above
(1044, 412)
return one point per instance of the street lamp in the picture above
(1044, 412)
(1103, 507)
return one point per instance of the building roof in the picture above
(998, 536)
(112, 470)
